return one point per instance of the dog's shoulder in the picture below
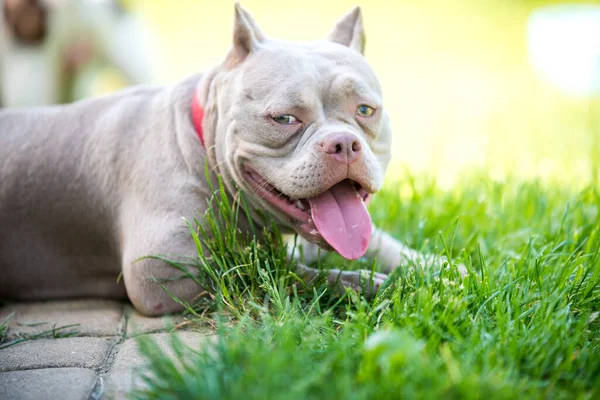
(142, 103)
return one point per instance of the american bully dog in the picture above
(90, 188)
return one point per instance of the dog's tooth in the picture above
(300, 205)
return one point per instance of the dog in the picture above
(89, 189)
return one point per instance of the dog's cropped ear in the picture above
(349, 31)
(246, 35)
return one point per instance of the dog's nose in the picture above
(343, 147)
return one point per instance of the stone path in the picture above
(87, 351)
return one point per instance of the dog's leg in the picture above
(391, 254)
(363, 280)
(159, 237)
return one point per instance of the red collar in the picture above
(197, 117)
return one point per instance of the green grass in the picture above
(55, 332)
(4, 327)
(523, 323)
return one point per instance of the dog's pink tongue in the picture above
(342, 219)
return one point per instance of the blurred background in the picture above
(510, 87)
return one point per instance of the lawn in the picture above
(524, 322)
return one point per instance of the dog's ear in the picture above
(246, 35)
(349, 31)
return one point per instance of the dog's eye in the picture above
(286, 120)
(364, 111)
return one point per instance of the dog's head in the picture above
(301, 129)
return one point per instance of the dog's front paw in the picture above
(363, 281)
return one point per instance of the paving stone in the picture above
(84, 352)
(123, 374)
(138, 324)
(95, 317)
(54, 383)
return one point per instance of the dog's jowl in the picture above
(88, 189)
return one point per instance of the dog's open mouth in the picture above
(338, 216)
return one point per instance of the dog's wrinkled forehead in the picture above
(296, 73)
